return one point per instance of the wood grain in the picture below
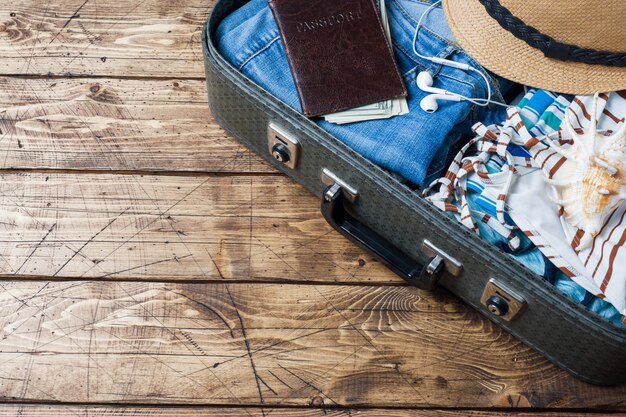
(145, 38)
(212, 289)
(58, 225)
(273, 344)
(96, 411)
(112, 124)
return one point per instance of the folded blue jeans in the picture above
(416, 145)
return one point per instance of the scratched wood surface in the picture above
(151, 265)
(86, 411)
(79, 225)
(132, 38)
(115, 124)
(268, 344)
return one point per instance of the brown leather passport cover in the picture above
(338, 54)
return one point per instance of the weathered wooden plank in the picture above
(90, 37)
(250, 344)
(31, 410)
(172, 227)
(112, 124)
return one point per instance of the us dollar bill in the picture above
(383, 110)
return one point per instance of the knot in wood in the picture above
(317, 401)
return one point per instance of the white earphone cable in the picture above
(419, 25)
(483, 102)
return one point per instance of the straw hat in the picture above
(578, 46)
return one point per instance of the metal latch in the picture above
(451, 265)
(283, 146)
(329, 178)
(502, 301)
(430, 274)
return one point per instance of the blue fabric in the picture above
(542, 113)
(527, 254)
(580, 295)
(407, 145)
(537, 106)
(532, 109)
(531, 257)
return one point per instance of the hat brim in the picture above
(501, 52)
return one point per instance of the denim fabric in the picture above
(407, 145)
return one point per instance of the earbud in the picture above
(425, 83)
(425, 80)
(429, 103)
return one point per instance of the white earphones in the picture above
(429, 103)
(424, 79)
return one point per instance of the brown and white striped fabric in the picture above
(520, 190)
(605, 259)
(601, 267)
(449, 193)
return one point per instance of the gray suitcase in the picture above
(414, 239)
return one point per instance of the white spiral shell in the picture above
(592, 182)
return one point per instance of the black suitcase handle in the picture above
(338, 216)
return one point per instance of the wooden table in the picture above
(153, 266)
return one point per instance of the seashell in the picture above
(592, 180)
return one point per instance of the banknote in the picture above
(376, 111)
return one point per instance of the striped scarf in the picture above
(507, 165)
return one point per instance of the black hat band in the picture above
(550, 47)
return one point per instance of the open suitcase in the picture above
(413, 238)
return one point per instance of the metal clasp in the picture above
(329, 178)
(451, 265)
(502, 301)
(283, 146)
